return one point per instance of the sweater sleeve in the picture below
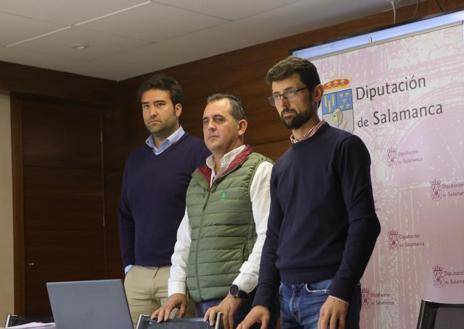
(269, 278)
(126, 224)
(353, 166)
(199, 155)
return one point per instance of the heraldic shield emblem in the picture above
(337, 104)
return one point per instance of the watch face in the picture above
(234, 290)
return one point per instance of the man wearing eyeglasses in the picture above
(322, 223)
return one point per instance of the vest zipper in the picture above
(198, 242)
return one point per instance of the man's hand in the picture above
(258, 314)
(228, 306)
(333, 312)
(174, 301)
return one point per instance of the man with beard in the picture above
(322, 223)
(152, 204)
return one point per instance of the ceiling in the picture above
(119, 39)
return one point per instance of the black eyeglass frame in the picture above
(287, 94)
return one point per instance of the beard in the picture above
(297, 120)
(164, 126)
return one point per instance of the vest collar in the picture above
(239, 159)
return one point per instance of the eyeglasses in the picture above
(288, 94)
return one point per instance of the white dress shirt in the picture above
(247, 279)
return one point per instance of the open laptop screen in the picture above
(99, 304)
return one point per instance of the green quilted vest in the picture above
(223, 229)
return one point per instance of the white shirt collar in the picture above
(169, 141)
(225, 161)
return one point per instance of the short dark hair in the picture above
(236, 106)
(291, 65)
(162, 82)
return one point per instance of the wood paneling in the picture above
(36, 81)
(450, 5)
(116, 132)
(18, 206)
(63, 231)
(56, 174)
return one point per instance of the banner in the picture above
(405, 98)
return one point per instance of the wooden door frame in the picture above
(18, 204)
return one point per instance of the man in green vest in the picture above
(219, 241)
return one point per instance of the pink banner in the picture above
(404, 98)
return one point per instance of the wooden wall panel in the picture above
(42, 82)
(116, 132)
(65, 89)
(450, 5)
(62, 191)
(18, 206)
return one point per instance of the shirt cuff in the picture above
(128, 268)
(176, 287)
(246, 282)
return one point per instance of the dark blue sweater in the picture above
(153, 200)
(322, 222)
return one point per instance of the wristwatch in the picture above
(235, 291)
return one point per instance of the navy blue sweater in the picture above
(153, 200)
(322, 222)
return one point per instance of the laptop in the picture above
(98, 304)
(145, 322)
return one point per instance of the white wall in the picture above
(6, 211)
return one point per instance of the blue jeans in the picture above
(300, 305)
